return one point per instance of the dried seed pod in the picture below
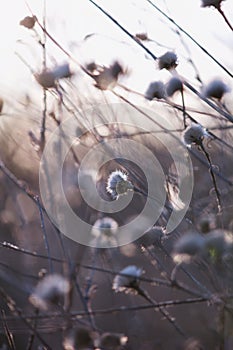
(62, 71)
(129, 282)
(46, 79)
(208, 3)
(218, 242)
(174, 84)
(50, 290)
(155, 90)
(79, 338)
(112, 341)
(105, 230)
(168, 61)
(142, 36)
(216, 88)
(194, 134)
(108, 77)
(187, 247)
(28, 22)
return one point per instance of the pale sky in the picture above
(71, 20)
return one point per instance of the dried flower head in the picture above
(128, 279)
(216, 88)
(187, 247)
(62, 71)
(155, 90)
(218, 242)
(208, 3)
(118, 184)
(80, 338)
(206, 222)
(173, 85)
(112, 341)
(46, 79)
(142, 36)
(168, 60)
(105, 230)
(107, 77)
(194, 134)
(50, 290)
(92, 67)
(28, 22)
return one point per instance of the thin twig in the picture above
(45, 235)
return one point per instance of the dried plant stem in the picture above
(32, 336)
(183, 109)
(44, 64)
(190, 37)
(222, 13)
(218, 196)
(14, 309)
(7, 331)
(45, 235)
(162, 310)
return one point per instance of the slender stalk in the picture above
(222, 13)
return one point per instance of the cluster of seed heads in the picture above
(216, 243)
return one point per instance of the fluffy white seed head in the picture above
(173, 85)
(155, 90)
(168, 60)
(48, 77)
(62, 71)
(50, 290)
(194, 134)
(107, 77)
(218, 242)
(113, 341)
(216, 88)
(129, 282)
(105, 231)
(208, 3)
(118, 184)
(79, 338)
(188, 246)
